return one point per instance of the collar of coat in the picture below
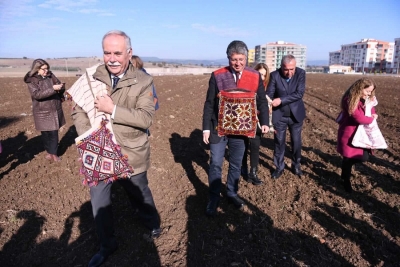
(129, 78)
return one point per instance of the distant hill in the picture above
(199, 62)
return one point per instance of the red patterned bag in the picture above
(102, 159)
(237, 113)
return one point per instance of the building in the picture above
(250, 57)
(368, 55)
(339, 69)
(272, 53)
(396, 60)
(334, 58)
(260, 55)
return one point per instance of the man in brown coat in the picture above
(130, 103)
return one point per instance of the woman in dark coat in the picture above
(352, 115)
(47, 96)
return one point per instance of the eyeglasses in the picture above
(241, 60)
(44, 69)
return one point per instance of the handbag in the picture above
(339, 118)
(237, 113)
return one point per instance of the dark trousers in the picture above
(253, 145)
(50, 141)
(280, 142)
(236, 148)
(347, 164)
(141, 198)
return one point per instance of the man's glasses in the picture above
(241, 60)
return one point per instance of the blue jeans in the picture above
(236, 148)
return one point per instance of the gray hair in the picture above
(120, 33)
(236, 47)
(286, 59)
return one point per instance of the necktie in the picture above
(115, 81)
(237, 74)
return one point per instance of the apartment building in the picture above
(368, 55)
(250, 57)
(272, 53)
(396, 60)
(334, 58)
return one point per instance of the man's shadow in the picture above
(18, 150)
(233, 237)
(67, 140)
(23, 249)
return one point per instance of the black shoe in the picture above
(155, 233)
(212, 206)
(244, 172)
(276, 174)
(297, 171)
(253, 178)
(237, 201)
(100, 257)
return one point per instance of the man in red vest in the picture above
(236, 75)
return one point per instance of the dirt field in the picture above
(45, 212)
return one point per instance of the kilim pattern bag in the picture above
(237, 113)
(101, 156)
(102, 159)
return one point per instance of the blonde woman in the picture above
(353, 114)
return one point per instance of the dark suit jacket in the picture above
(210, 111)
(290, 94)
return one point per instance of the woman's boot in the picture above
(347, 165)
(253, 178)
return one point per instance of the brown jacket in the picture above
(133, 115)
(46, 102)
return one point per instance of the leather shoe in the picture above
(212, 206)
(100, 257)
(276, 174)
(237, 202)
(297, 171)
(155, 233)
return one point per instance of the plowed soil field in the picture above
(45, 211)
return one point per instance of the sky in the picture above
(190, 29)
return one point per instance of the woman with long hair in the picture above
(253, 144)
(47, 96)
(353, 115)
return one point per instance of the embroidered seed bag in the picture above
(369, 135)
(237, 113)
(101, 156)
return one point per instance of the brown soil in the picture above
(46, 219)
